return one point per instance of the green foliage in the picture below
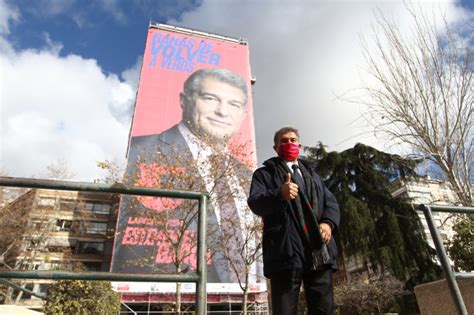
(82, 297)
(375, 225)
(461, 247)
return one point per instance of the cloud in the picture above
(52, 46)
(305, 54)
(89, 14)
(8, 14)
(132, 75)
(53, 7)
(112, 8)
(167, 9)
(61, 108)
(83, 13)
(123, 98)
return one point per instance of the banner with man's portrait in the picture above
(192, 130)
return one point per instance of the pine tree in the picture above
(385, 230)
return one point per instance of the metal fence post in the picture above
(450, 278)
(201, 297)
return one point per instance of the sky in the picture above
(69, 70)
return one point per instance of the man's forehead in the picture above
(208, 82)
(289, 135)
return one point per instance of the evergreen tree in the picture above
(385, 230)
(461, 247)
(82, 297)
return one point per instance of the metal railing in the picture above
(442, 255)
(200, 278)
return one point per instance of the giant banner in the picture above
(192, 130)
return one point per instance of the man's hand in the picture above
(326, 232)
(289, 190)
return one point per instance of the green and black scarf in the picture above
(305, 209)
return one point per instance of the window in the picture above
(98, 207)
(66, 205)
(46, 202)
(93, 266)
(105, 208)
(37, 225)
(63, 225)
(53, 265)
(56, 249)
(43, 287)
(96, 227)
(90, 248)
(31, 266)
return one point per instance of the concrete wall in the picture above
(435, 297)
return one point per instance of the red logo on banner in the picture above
(150, 177)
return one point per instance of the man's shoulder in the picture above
(169, 142)
(267, 168)
(309, 165)
(168, 136)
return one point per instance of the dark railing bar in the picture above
(19, 287)
(443, 257)
(96, 187)
(464, 275)
(97, 276)
(456, 209)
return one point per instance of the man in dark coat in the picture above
(300, 216)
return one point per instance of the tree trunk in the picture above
(346, 272)
(246, 290)
(178, 298)
(178, 293)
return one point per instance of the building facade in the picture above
(48, 229)
(429, 192)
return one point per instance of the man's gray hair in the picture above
(193, 82)
(282, 131)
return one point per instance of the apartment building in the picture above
(47, 229)
(429, 192)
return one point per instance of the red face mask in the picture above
(288, 151)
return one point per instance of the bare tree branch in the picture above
(419, 91)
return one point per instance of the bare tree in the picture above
(243, 256)
(243, 253)
(167, 224)
(114, 171)
(58, 170)
(420, 92)
(162, 232)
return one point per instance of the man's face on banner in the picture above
(215, 110)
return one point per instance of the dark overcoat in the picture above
(282, 243)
